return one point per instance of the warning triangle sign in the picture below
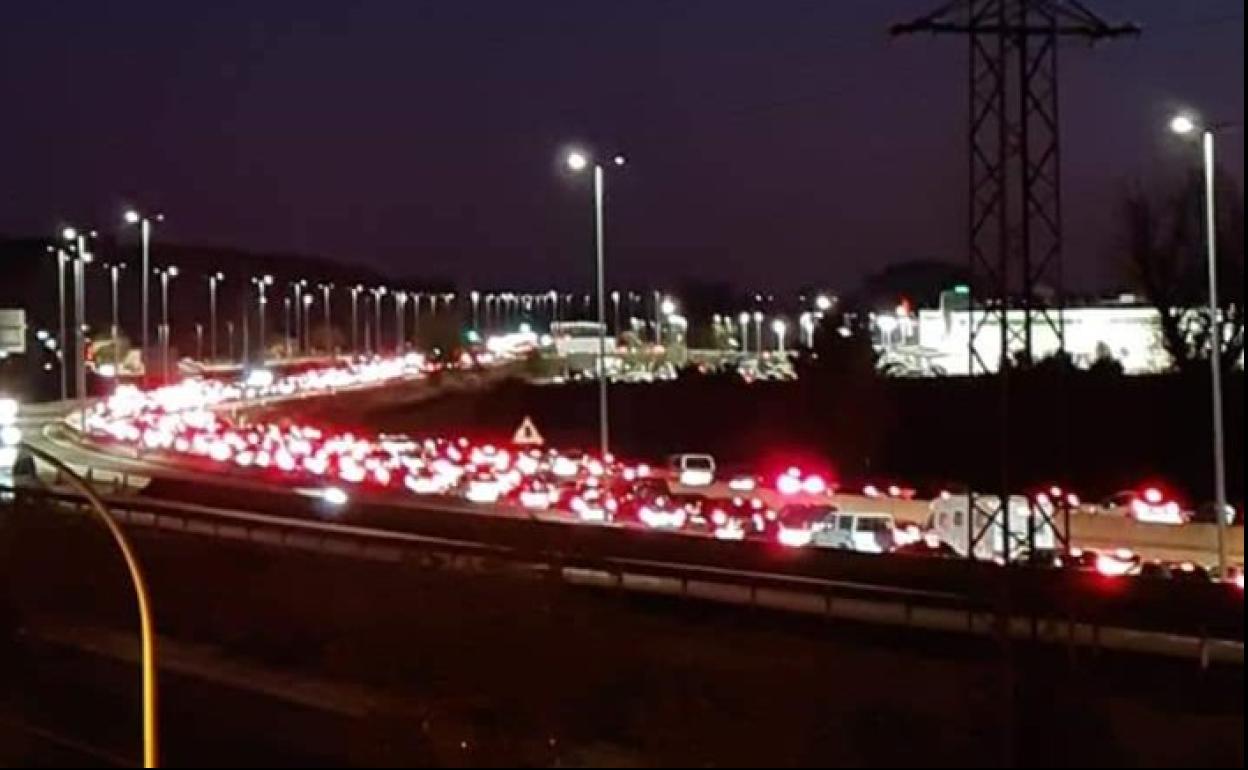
(527, 434)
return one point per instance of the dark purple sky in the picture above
(771, 142)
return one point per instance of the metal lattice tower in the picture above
(1014, 229)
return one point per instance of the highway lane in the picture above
(229, 485)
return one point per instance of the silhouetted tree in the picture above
(1163, 250)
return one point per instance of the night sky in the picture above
(771, 143)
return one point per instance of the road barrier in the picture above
(1199, 620)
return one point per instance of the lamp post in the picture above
(165, 274)
(355, 319)
(400, 307)
(578, 161)
(779, 327)
(134, 217)
(615, 304)
(78, 240)
(744, 320)
(378, 293)
(658, 319)
(298, 289)
(306, 324)
(62, 340)
(758, 331)
(326, 288)
(114, 271)
(416, 317)
(287, 328)
(261, 283)
(1187, 125)
(807, 323)
(229, 333)
(213, 280)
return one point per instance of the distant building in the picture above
(936, 341)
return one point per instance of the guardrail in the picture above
(1204, 621)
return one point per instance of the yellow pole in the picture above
(146, 637)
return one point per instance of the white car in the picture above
(692, 470)
(1149, 506)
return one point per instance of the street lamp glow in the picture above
(69, 233)
(1182, 124)
(132, 217)
(618, 160)
(668, 307)
(778, 326)
(744, 318)
(822, 303)
(577, 161)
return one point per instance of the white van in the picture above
(864, 532)
(953, 522)
(692, 470)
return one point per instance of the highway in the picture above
(175, 481)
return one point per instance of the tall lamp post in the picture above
(134, 217)
(578, 161)
(400, 311)
(744, 320)
(62, 338)
(378, 293)
(1187, 125)
(114, 272)
(326, 288)
(306, 324)
(213, 280)
(758, 331)
(78, 240)
(355, 319)
(261, 283)
(165, 274)
(779, 327)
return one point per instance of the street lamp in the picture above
(658, 319)
(779, 327)
(134, 217)
(298, 288)
(78, 241)
(114, 270)
(400, 306)
(213, 280)
(823, 303)
(744, 320)
(615, 303)
(62, 341)
(329, 334)
(287, 327)
(416, 318)
(758, 331)
(355, 319)
(807, 322)
(1187, 125)
(475, 296)
(578, 161)
(306, 324)
(261, 283)
(378, 293)
(165, 274)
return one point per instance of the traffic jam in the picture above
(206, 424)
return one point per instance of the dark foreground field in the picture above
(279, 658)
